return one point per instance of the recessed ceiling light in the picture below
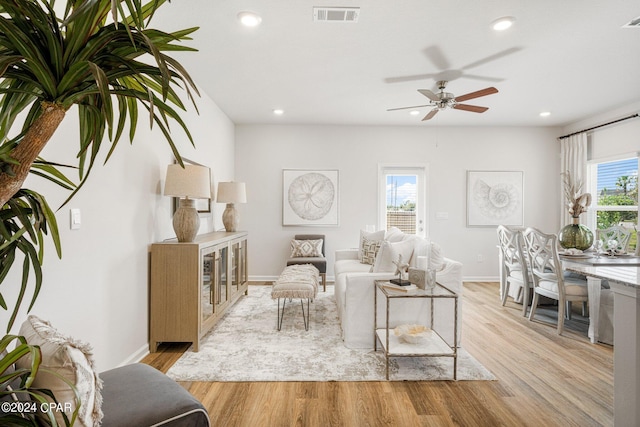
(545, 114)
(414, 112)
(503, 23)
(249, 19)
(278, 112)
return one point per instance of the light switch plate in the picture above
(75, 219)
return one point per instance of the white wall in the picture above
(98, 292)
(262, 151)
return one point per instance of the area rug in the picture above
(246, 346)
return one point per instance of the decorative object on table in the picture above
(412, 334)
(575, 235)
(431, 278)
(310, 197)
(598, 247)
(231, 193)
(400, 288)
(418, 277)
(189, 183)
(495, 198)
(401, 270)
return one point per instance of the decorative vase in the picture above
(576, 236)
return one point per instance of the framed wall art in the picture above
(310, 197)
(495, 198)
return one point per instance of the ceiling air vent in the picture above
(336, 14)
(634, 23)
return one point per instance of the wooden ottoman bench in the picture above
(296, 281)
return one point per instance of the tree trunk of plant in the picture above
(29, 149)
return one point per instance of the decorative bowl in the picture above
(412, 334)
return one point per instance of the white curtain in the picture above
(573, 159)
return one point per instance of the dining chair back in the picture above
(549, 279)
(515, 270)
(618, 233)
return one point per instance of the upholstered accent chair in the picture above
(310, 249)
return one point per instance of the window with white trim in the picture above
(613, 184)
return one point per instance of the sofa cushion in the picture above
(306, 248)
(71, 359)
(389, 252)
(370, 249)
(371, 236)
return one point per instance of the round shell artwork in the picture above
(496, 202)
(311, 196)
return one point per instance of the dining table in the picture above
(622, 273)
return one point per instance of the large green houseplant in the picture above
(101, 57)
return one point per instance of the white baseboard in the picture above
(137, 356)
(481, 279)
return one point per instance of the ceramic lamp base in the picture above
(186, 221)
(230, 218)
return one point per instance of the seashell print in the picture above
(498, 201)
(311, 196)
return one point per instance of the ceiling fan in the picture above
(442, 100)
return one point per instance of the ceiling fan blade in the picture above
(472, 108)
(402, 79)
(492, 57)
(432, 96)
(437, 58)
(408, 108)
(431, 114)
(476, 94)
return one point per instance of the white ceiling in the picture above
(569, 57)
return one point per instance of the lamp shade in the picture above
(232, 192)
(191, 181)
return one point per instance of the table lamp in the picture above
(231, 193)
(188, 183)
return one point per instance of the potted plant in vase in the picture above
(86, 54)
(575, 235)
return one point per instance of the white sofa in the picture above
(354, 290)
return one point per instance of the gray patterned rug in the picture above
(246, 346)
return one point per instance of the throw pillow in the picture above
(371, 236)
(394, 234)
(70, 359)
(306, 248)
(370, 250)
(388, 254)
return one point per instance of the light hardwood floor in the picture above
(542, 380)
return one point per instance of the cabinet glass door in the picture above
(206, 287)
(221, 275)
(238, 264)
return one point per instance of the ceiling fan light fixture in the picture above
(278, 112)
(545, 114)
(249, 19)
(503, 23)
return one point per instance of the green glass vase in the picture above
(576, 236)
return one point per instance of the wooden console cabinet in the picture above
(193, 284)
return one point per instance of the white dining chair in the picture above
(616, 232)
(549, 279)
(514, 265)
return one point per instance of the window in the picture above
(613, 185)
(402, 199)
